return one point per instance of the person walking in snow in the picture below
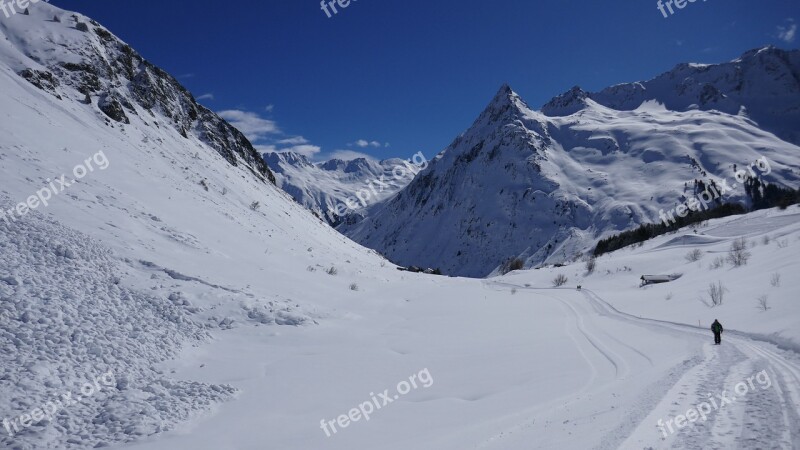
(716, 328)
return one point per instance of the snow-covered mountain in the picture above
(763, 85)
(90, 65)
(164, 232)
(542, 186)
(322, 186)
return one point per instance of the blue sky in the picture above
(393, 77)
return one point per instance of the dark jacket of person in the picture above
(716, 327)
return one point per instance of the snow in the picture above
(543, 188)
(224, 329)
(188, 261)
(325, 186)
(542, 367)
(68, 318)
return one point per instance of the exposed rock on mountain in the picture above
(97, 68)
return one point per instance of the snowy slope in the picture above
(543, 187)
(322, 186)
(772, 238)
(150, 253)
(756, 339)
(66, 320)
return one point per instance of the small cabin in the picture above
(655, 279)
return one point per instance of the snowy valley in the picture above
(198, 291)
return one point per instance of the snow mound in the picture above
(65, 320)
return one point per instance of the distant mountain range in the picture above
(543, 186)
(322, 186)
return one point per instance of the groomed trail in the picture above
(745, 393)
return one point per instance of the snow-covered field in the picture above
(210, 323)
(516, 363)
(513, 362)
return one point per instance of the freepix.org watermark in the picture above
(704, 410)
(330, 5)
(9, 8)
(665, 6)
(51, 408)
(409, 168)
(55, 187)
(713, 192)
(367, 408)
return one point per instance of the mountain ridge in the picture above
(90, 64)
(552, 182)
(765, 82)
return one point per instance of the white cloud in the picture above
(209, 96)
(787, 33)
(269, 108)
(296, 140)
(265, 148)
(253, 126)
(347, 155)
(363, 143)
(266, 136)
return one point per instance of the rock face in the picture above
(543, 186)
(81, 60)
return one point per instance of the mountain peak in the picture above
(505, 102)
(505, 96)
(769, 50)
(567, 103)
(333, 164)
(505, 89)
(359, 165)
(292, 158)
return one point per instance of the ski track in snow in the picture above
(750, 421)
(612, 358)
(754, 416)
